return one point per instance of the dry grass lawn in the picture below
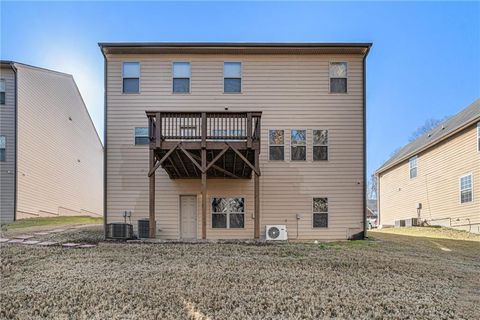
(393, 276)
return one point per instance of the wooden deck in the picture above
(205, 145)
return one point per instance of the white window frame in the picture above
(142, 136)
(139, 76)
(228, 213)
(314, 212)
(321, 145)
(276, 145)
(4, 91)
(410, 168)
(329, 78)
(306, 145)
(189, 77)
(460, 188)
(241, 77)
(5, 139)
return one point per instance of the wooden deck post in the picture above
(151, 204)
(204, 175)
(257, 197)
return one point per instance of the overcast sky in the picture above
(424, 63)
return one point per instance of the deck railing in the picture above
(237, 126)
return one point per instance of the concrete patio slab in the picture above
(70, 245)
(30, 242)
(23, 236)
(47, 243)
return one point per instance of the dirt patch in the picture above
(392, 277)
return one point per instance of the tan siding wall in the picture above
(7, 129)
(51, 181)
(437, 184)
(292, 92)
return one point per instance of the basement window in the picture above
(276, 145)
(3, 145)
(232, 77)
(141, 136)
(320, 212)
(181, 77)
(299, 145)
(131, 77)
(338, 77)
(320, 145)
(228, 213)
(2, 91)
(413, 167)
(466, 189)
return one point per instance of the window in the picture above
(299, 145)
(320, 145)
(413, 167)
(3, 145)
(131, 77)
(2, 91)
(338, 77)
(320, 212)
(232, 77)
(181, 77)
(141, 136)
(276, 148)
(478, 137)
(228, 213)
(466, 189)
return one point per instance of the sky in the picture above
(425, 60)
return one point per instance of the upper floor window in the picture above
(232, 77)
(3, 145)
(478, 137)
(338, 77)
(299, 145)
(320, 145)
(466, 189)
(141, 136)
(228, 213)
(131, 77)
(320, 212)
(413, 167)
(181, 77)
(276, 144)
(2, 91)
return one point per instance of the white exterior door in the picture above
(188, 217)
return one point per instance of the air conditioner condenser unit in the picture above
(276, 232)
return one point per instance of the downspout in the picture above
(105, 70)
(15, 175)
(365, 143)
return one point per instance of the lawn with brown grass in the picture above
(390, 276)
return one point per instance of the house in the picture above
(436, 177)
(219, 140)
(50, 153)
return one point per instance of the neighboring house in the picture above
(372, 212)
(246, 135)
(436, 177)
(50, 153)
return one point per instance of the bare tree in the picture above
(372, 188)
(428, 126)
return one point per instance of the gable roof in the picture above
(234, 47)
(452, 125)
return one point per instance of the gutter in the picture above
(15, 174)
(105, 69)
(365, 142)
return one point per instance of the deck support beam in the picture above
(204, 175)
(256, 232)
(151, 203)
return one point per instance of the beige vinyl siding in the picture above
(59, 161)
(437, 185)
(7, 129)
(292, 91)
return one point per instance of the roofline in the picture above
(428, 146)
(13, 63)
(237, 44)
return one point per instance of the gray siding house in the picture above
(50, 153)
